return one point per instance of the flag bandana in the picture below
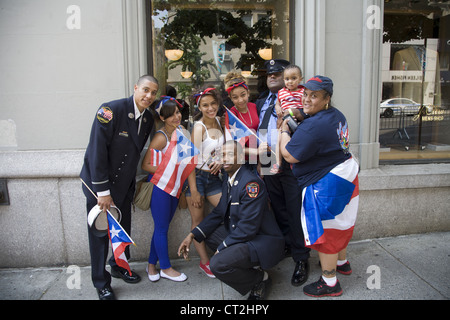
(177, 163)
(200, 95)
(330, 207)
(119, 241)
(164, 99)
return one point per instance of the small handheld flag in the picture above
(119, 241)
(235, 129)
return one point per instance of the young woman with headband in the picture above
(244, 110)
(205, 182)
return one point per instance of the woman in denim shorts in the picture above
(205, 181)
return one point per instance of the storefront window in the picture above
(415, 107)
(196, 43)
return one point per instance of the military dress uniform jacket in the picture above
(114, 149)
(245, 213)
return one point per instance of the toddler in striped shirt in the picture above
(290, 97)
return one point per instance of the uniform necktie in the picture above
(138, 124)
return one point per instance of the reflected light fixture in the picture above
(266, 54)
(186, 74)
(174, 55)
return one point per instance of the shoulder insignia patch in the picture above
(105, 115)
(252, 189)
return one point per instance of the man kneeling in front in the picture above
(241, 229)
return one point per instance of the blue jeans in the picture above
(207, 184)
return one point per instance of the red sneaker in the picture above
(207, 270)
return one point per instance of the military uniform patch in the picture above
(105, 115)
(252, 189)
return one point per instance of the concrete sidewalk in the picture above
(413, 267)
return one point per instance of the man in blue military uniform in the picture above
(119, 133)
(284, 193)
(241, 229)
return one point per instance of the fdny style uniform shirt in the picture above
(114, 149)
(245, 213)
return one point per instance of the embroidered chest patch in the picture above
(252, 189)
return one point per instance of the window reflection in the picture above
(415, 111)
(216, 37)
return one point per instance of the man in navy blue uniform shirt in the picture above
(241, 229)
(284, 194)
(119, 133)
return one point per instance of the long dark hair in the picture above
(212, 93)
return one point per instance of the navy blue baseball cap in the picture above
(318, 83)
(276, 65)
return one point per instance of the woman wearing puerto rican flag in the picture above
(328, 176)
(163, 205)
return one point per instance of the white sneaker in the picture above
(182, 277)
(152, 277)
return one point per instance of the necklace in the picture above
(242, 117)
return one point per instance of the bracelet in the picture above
(286, 132)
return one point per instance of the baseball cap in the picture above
(318, 83)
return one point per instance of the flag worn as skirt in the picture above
(330, 207)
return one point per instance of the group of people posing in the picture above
(304, 197)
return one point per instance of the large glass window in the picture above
(196, 43)
(415, 111)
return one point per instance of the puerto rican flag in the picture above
(235, 129)
(156, 157)
(330, 207)
(119, 241)
(177, 163)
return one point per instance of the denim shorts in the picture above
(207, 184)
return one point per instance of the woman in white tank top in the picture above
(204, 182)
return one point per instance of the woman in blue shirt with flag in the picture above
(328, 175)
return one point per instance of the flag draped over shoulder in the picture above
(177, 163)
(330, 207)
(119, 241)
(235, 129)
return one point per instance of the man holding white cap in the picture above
(119, 133)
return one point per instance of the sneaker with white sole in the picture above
(207, 270)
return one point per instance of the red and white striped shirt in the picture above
(291, 99)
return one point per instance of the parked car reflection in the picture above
(395, 106)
